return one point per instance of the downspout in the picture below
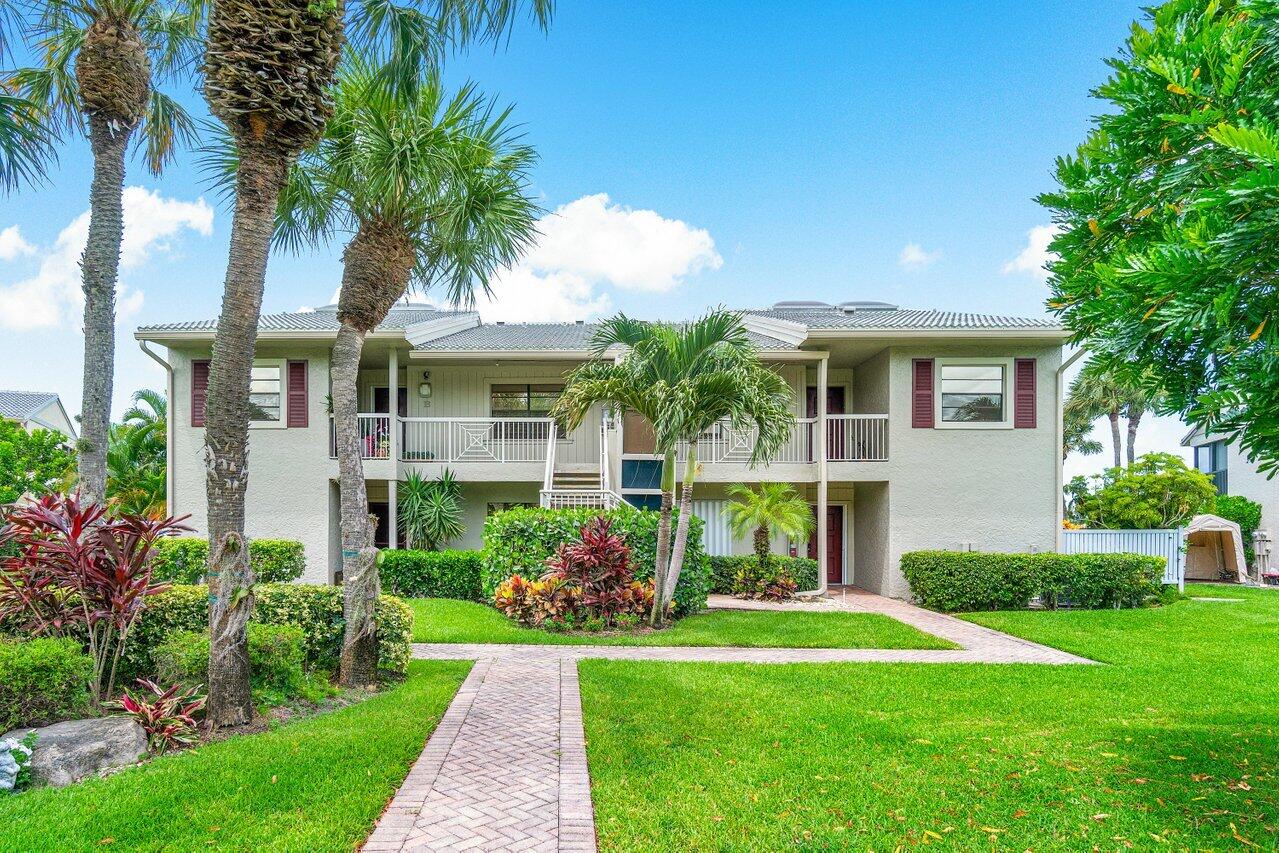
(170, 487)
(1059, 510)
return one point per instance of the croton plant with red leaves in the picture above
(166, 715)
(77, 565)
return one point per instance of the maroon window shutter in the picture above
(921, 407)
(297, 416)
(1024, 393)
(199, 391)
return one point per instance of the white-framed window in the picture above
(974, 393)
(267, 400)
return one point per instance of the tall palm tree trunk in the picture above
(261, 175)
(1115, 441)
(657, 616)
(762, 545)
(360, 586)
(681, 528)
(109, 141)
(1134, 420)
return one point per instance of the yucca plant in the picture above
(429, 511)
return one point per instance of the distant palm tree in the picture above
(99, 62)
(1100, 391)
(269, 73)
(136, 457)
(1076, 427)
(685, 378)
(773, 509)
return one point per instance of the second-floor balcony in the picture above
(849, 438)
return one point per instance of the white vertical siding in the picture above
(717, 537)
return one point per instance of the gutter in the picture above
(1059, 511)
(170, 486)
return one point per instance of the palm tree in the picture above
(1100, 390)
(775, 509)
(99, 58)
(136, 459)
(684, 378)
(433, 191)
(26, 145)
(1076, 426)
(269, 72)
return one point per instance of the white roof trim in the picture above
(419, 333)
(787, 331)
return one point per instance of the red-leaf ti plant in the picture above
(101, 563)
(30, 596)
(599, 564)
(167, 716)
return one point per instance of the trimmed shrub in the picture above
(314, 609)
(182, 560)
(971, 580)
(433, 574)
(519, 541)
(275, 658)
(724, 570)
(1245, 513)
(1095, 581)
(42, 681)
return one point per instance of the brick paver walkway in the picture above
(505, 770)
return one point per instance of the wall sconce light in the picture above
(424, 390)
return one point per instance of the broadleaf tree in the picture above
(1166, 257)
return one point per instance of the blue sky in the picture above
(748, 152)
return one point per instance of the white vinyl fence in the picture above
(1165, 544)
(717, 537)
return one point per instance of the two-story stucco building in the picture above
(913, 428)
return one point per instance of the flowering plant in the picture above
(15, 762)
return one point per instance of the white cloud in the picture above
(913, 257)
(1035, 256)
(589, 244)
(12, 244)
(52, 295)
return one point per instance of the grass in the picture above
(1171, 745)
(439, 620)
(318, 784)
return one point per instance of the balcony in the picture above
(468, 440)
(849, 438)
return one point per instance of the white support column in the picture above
(823, 558)
(392, 522)
(393, 397)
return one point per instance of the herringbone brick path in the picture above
(506, 768)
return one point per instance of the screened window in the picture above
(266, 403)
(525, 400)
(972, 393)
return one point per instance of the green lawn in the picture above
(1172, 745)
(440, 620)
(318, 784)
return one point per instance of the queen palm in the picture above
(683, 379)
(99, 58)
(774, 509)
(269, 72)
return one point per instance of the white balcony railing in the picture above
(374, 436)
(474, 439)
(857, 438)
(849, 438)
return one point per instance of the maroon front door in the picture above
(834, 544)
(834, 429)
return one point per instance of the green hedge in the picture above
(182, 559)
(276, 657)
(970, 580)
(433, 574)
(42, 681)
(1244, 512)
(316, 610)
(725, 568)
(518, 541)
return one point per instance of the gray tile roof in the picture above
(560, 337)
(320, 320)
(831, 318)
(20, 405)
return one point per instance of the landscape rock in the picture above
(67, 752)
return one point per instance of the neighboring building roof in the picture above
(320, 320)
(818, 316)
(21, 405)
(537, 337)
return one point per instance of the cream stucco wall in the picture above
(1243, 478)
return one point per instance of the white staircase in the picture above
(568, 489)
